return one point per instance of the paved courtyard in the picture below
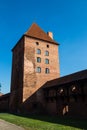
(4, 125)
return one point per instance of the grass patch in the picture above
(45, 122)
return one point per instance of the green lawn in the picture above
(45, 122)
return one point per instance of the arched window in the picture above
(38, 70)
(38, 59)
(46, 53)
(47, 71)
(46, 61)
(38, 51)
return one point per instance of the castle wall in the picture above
(71, 103)
(4, 103)
(78, 108)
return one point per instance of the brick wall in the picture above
(33, 80)
(4, 103)
(17, 76)
(25, 80)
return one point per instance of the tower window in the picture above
(46, 61)
(47, 71)
(37, 43)
(38, 51)
(38, 70)
(47, 46)
(46, 53)
(38, 59)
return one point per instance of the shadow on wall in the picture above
(4, 102)
(35, 108)
(35, 104)
(44, 102)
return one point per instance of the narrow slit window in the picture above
(47, 46)
(37, 43)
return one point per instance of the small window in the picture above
(38, 51)
(38, 59)
(47, 46)
(37, 43)
(47, 71)
(46, 53)
(46, 61)
(38, 70)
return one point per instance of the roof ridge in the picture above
(71, 78)
(69, 74)
(30, 27)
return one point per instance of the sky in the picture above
(67, 19)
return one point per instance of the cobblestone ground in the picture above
(4, 125)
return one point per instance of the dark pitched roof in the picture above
(7, 95)
(67, 79)
(36, 32)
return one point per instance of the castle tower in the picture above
(35, 61)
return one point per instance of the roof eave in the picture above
(41, 39)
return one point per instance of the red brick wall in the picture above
(17, 76)
(33, 80)
(25, 80)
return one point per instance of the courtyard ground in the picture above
(45, 122)
(4, 125)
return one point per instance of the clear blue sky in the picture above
(67, 19)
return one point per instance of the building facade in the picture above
(35, 61)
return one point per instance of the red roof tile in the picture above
(36, 32)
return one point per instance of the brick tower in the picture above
(35, 61)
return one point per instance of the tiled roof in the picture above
(36, 32)
(67, 79)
